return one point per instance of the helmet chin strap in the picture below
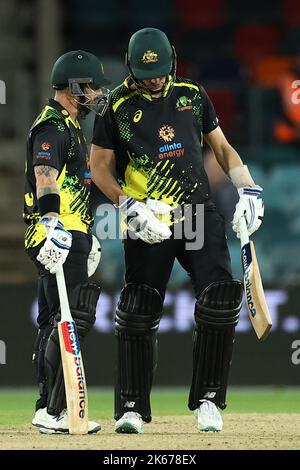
(148, 92)
(152, 92)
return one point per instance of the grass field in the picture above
(16, 406)
(256, 418)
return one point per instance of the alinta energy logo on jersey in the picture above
(174, 149)
(149, 57)
(45, 146)
(44, 151)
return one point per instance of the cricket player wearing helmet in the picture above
(147, 158)
(56, 210)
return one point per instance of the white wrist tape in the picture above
(240, 177)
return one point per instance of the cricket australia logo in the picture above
(246, 260)
(184, 103)
(149, 57)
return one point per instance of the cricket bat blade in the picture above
(254, 293)
(74, 376)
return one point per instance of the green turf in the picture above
(16, 406)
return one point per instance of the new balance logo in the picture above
(210, 395)
(129, 404)
(58, 418)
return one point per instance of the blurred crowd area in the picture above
(247, 56)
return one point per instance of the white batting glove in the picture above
(56, 248)
(143, 223)
(94, 257)
(251, 206)
(158, 207)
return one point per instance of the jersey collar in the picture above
(147, 96)
(65, 114)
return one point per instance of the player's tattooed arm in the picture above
(45, 180)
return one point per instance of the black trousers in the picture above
(152, 264)
(75, 270)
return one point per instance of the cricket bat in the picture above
(254, 293)
(74, 377)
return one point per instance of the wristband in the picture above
(254, 191)
(126, 204)
(240, 176)
(49, 203)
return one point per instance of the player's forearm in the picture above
(233, 166)
(226, 155)
(46, 183)
(235, 169)
(46, 187)
(228, 158)
(47, 190)
(103, 170)
(107, 183)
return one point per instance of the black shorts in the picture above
(75, 270)
(152, 264)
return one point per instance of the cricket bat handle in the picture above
(63, 296)
(244, 237)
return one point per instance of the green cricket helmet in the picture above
(150, 55)
(75, 69)
(78, 65)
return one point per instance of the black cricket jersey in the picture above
(158, 143)
(57, 141)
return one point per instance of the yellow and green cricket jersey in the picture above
(57, 141)
(158, 142)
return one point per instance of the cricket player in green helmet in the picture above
(147, 158)
(58, 217)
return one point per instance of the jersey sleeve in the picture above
(210, 118)
(103, 135)
(49, 147)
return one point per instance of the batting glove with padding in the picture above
(94, 257)
(251, 206)
(56, 248)
(142, 222)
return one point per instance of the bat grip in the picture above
(244, 237)
(63, 296)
